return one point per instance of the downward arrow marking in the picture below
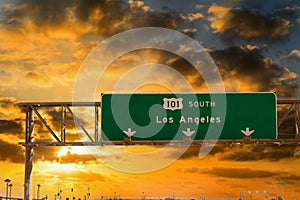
(247, 132)
(129, 132)
(188, 132)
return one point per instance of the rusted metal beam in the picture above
(167, 142)
(58, 104)
(288, 101)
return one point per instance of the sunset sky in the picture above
(46, 48)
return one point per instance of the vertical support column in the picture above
(96, 123)
(297, 122)
(63, 123)
(28, 152)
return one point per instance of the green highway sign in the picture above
(201, 116)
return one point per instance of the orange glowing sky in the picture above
(45, 43)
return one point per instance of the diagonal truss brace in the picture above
(80, 124)
(285, 115)
(45, 123)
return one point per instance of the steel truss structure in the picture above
(61, 139)
(293, 109)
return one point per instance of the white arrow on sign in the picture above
(129, 132)
(188, 132)
(247, 132)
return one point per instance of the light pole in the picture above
(38, 191)
(7, 181)
(10, 187)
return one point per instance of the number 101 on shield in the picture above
(172, 104)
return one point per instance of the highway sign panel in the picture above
(226, 116)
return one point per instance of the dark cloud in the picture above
(239, 186)
(248, 65)
(56, 117)
(166, 19)
(263, 152)
(139, 57)
(242, 68)
(6, 102)
(102, 17)
(267, 6)
(37, 78)
(11, 152)
(10, 105)
(289, 177)
(185, 68)
(10, 126)
(242, 173)
(191, 170)
(248, 24)
(193, 152)
(243, 153)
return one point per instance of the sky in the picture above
(50, 49)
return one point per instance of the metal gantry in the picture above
(59, 138)
(32, 110)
